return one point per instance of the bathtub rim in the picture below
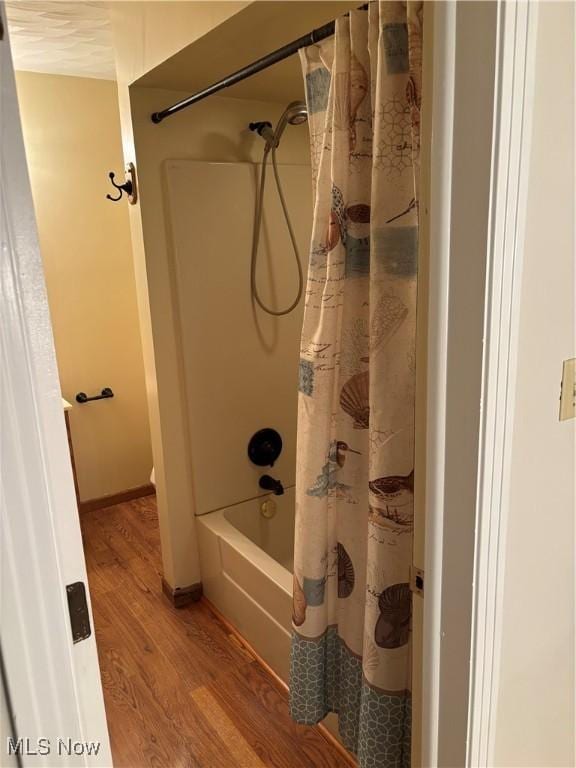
(219, 525)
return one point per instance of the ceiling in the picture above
(75, 38)
(62, 38)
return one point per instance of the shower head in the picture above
(295, 113)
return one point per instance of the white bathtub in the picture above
(246, 563)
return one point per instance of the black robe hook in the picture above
(129, 185)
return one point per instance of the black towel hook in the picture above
(129, 185)
(126, 187)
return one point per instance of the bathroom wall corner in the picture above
(144, 35)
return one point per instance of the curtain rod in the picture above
(321, 33)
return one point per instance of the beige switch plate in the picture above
(568, 390)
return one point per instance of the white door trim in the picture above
(477, 188)
(54, 685)
(464, 34)
(512, 137)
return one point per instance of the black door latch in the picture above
(78, 609)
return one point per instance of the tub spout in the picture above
(268, 483)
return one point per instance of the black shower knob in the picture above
(264, 447)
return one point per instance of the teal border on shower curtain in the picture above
(327, 677)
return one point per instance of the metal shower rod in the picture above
(321, 33)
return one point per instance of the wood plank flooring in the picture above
(180, 690)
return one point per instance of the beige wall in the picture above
(535, 708)
(72, 136)
(145, 34)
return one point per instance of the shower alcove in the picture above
(219, 370)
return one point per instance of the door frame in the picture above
(476, 216)
(508, 211)
(53, 684)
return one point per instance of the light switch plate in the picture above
(568, 390)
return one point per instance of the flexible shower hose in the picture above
(256, 239)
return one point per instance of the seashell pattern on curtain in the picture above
(351, 644)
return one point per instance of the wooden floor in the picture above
(179, 689)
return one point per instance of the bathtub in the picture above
(246, 561)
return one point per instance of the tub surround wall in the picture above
(268, 523)
(240, 364)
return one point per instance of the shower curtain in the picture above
(355, 465)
